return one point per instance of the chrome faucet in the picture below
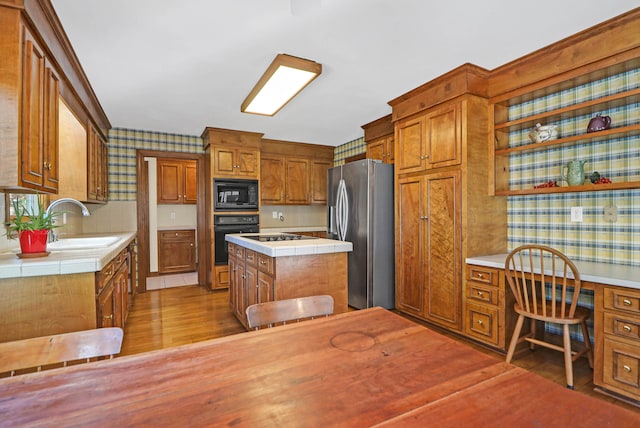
(85, 212)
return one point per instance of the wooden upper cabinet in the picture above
(379, 138)
(98, 168)
(177, 181)
(39, 144)
(272, 180)
(299, 179)
(430, 140)
(234, 154)
(319, 181)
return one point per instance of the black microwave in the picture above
(235, 195)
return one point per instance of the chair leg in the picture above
(532, 328)
(515, 338)
(568, 360)
(587, 342)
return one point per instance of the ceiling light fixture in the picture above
(284, 79)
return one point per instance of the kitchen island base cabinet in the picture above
(257, 278)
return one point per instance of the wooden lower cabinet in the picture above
(617, 350)
(255, 278)
(428, 280)
(488, 315)
(176, 251)
(112, 291)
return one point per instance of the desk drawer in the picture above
(482, 293)
(483, 274)
(481, 323)
(622, 300)
(621, 326)
(622, 367)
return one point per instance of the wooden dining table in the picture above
(357, 369)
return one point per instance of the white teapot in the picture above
(541, 133)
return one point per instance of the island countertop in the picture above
(290, 248)
(64, 262)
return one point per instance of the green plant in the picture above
(30, 219)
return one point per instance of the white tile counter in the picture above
(64, 261)
(603, 273)
(290, 248)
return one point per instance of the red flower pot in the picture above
(33, 241)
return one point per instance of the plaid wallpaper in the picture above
(545, 219)
(123, 144)
(352, 148)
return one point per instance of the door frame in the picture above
(142, 208)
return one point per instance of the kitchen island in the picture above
(265, 267)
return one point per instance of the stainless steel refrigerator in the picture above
(360, 210)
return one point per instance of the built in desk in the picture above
(616, 317)
(357, 369)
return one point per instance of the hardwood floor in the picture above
(177, 316)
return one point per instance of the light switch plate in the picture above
(611, 213)
(576, 213)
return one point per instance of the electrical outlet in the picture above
(173, 216)
(611, 213)
(274, 214)
(576, 214)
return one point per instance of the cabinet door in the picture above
(443, 137)
(319, 182)
(169, 181)
(390, 146)
(106, 307)
(442, 260)
(176, 251)
(240, 302)
(251, 286)
(272, 178)
(97, 174)
(265, 288)
(248, 163)
(409, 248)
(190, 180)
(376, 150)
(39, 142)
(297, 181)
(224, 161)
(410, 145)
(233, 285)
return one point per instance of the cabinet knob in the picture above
(627, 368)
(626, 302)
(176, 233)
(480, 322)
(626, 328)
(480, 294)
(262, 262)
(108, 317)
(423, 217)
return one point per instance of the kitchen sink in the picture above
(82, 243)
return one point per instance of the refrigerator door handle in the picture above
(342, 210)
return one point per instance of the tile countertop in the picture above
(603, 273)
(65, 261)
(290, 248)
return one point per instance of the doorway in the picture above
(143, 217)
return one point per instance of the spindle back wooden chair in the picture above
(38, 352)
(546, 286)
(283, 311)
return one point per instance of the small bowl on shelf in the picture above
(541, 133)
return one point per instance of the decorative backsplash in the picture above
(123, 144)
(545, 219)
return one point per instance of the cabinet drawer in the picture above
(265, 264)
(250, 257)
(481, 323)
(482, 293)
(238, 251)
(104, 276)
(483, 274)
(622, 367)
(622, 326)
(621, 299)
(176, 234)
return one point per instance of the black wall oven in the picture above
(235, 195)
(224, 224)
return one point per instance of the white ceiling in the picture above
(178, 66)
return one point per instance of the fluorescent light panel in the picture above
(284, 79)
